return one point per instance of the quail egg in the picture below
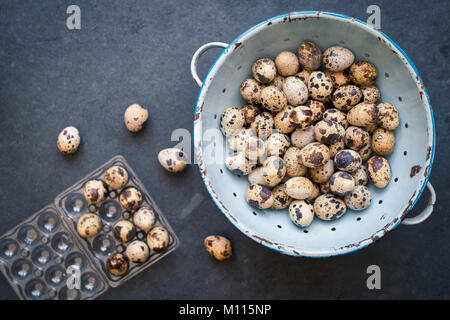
(259, 196)
(287, 63)
(320, 86)
(135, 116)
(329, 207)
(218, 247)
(137, 251)
(280, 199)
(301, 212)
(383, 142)
(117, 264)
(251, 91)
(347, 160)
(298, 188)
(68, 140)
(359, 198)
(130, 198)
(337, 58)
(341, 183)
(157, 239)
(309, 56)
(124, 231)
(232, 119)
(363, 73)
(116, 177)
(89, 225)
(295, 90)
(144, 218)
(94, 191)
(314, 155)
(264, 70)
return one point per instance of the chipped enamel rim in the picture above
(431, 132)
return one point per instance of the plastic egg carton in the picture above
(35, 255)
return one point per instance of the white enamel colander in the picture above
(399, 84)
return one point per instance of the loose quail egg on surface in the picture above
(251, 91)
(264, 70)
(144, 218)
(388, 116)
(320, 86)
(130, 198)
(294, 168)
(339, 79)
(124, 231)
(363, 73)
(295, 90)
(345, 97)
(360, 176)
(232, 119)
(379, 171)
(157, 239)
(257, 177)
(89, 225)
(282, 120)
(137, 251)
(218, 247)
(259, 196)
(280, 199)
(274, 170)
(287, 63)
(273, 99)
(238, 164)
(135, 116)
(250, 113)
(277, 144)
(314, 155)
(301, 212)
(68, 140)
(383, 142)
(328, 132)
(116, 177)
(337, 116)
(298, 188)
(347, 160)
(263, 125)
(323, 173)
(94, 191)
(356, 138)
(358, 199)
(173, 159)
(329, 207)
(341, 183)
(370, 94)
(301, 117)
(309, 56)
(337, 58)
(302, 137)
(363, 114)
(117, 264)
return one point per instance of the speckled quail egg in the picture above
(309, 55)
(282, 120)
(317, 108)
(277, 144)
(366, 151)
(238, 164)
(360, 176)
(294, 168)
(370, 94)
(218, 247)
(263, 125)
(295, 90)
(259, 196)
(329, 207)
(287, 63)
(347, 160)
(388, 116)
(130, 198)
(304, 76)
(336, 147)
(363, 114)
(363, 73)
(237, 141)
(320, 86)
(116, 177)
(274, 170)
(341, 183)
(232, 119)
(144, 218)
(383, 142)
(323, 173)
(325, 187)
(315, 155)
(68, 140)
(277, 82)
(302, 137)
(173, 159)
(89, 225)
(137, 251)
(359, 198)
(250, 90)
(117, 264)
(157, 239)
(280, 199)
(339, 79)
(255, 149)
(250, 113)
(257, 177)
(337, 116)
(337, 58)
(345, 97)
(315, 193)
(124, 231)
(298, 188)
(301, 212)
(301, 117)
(356, 138)
(328, 132)
(273, 99)
(264, 70)
(135, 116)
(379, 171)
(94, 191)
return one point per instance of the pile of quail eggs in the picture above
(312, 134)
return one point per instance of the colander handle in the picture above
(421, 217)
(197, 56)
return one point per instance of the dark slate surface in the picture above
(139, 51)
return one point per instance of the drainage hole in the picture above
(221, 171)
(406, 125)
(380, 202)
(358, 219)
(333, 229)
(305, 231)
(279, 226)
(405, 153)
(234, 194)
(254, 213)
(396, 179)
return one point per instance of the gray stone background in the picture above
(139, 51)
